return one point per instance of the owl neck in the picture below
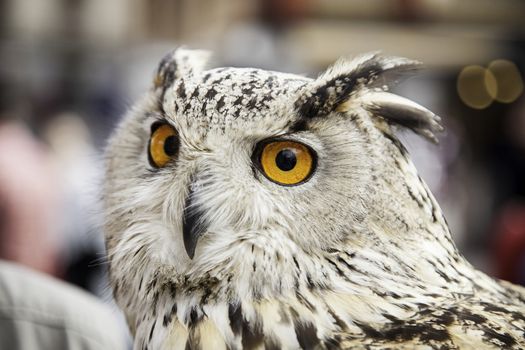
(269, 285)
(262, 289)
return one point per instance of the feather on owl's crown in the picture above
(365, 81)
(362, 81)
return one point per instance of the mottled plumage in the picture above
(206, 252)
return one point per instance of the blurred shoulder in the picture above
(38, 310)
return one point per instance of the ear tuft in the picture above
(402, 111)
(347, 77)
(362, 83)
(178, 63)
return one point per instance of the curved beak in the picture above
(193, 225)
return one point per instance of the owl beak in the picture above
(193, 225)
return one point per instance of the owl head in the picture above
(250, 175)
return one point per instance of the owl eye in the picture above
(286, 162)
(163, 144)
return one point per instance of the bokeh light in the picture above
(477, 86)
(508, 78)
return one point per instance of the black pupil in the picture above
(171, 146)
(286, 160)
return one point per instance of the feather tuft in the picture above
(404, 112)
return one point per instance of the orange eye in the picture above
(287, 162)
(163, 145)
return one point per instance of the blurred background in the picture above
(69, 69)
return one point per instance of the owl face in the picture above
(214, 164)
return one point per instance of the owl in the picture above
(251, 209)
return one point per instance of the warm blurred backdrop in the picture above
(69, 69)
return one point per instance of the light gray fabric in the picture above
(39, 312)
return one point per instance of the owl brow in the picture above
(325, 98)
(298, 125)
(153, 118)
